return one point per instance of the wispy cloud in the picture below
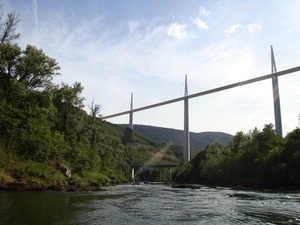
(176, 30)
(34, 6)
(253, 27)
(133, 25)
(204, 12)
(202, 25)
(250, 27)
(232, 29)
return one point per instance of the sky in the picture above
(115, 48)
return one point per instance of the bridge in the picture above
(144, 166)
(276, 101)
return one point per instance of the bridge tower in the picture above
(276, 98)
(186, 145)
(131, 113)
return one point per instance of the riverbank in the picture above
(19, 186)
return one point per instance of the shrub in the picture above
(77, 181)
(5, 178)
(96, 179)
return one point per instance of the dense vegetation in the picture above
(42, 124)
(256, 159)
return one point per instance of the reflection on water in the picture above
(150, 204)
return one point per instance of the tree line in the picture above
(255, 159)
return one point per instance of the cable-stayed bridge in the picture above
(276, 99)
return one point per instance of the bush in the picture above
(5, 178)
(77, 181)
(96, 179)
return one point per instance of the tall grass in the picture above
(33, 172)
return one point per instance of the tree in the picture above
(94, 124)
(35, 69)
(9, 59)
(69, 104)
(8, 28)
(237, 142)
(21, 70)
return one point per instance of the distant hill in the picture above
(201, 139)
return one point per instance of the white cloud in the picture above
(252, 27)
(176, 30)
(200, 24)
(232, 29)
(224, 54)
(204, 13)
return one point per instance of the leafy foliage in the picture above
(42, 123)
(258, 158)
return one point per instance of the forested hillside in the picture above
(176, 136)
(44, 129)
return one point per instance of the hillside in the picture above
(201, 139)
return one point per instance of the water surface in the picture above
(150, 204)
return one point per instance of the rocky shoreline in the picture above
(19, 186)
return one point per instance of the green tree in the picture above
(10, 89)
(291, 157)
(94, 124)
(69, 105)
(25, 109)
(35, 69)
(24, 70)
(211, 167)
(8, 28)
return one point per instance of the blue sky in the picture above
(146, 47)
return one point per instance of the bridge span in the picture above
(276, 101)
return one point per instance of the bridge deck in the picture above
(153, 166)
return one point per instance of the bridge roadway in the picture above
(137, 166)
(186, 149)
(153, 166)
(265, 77)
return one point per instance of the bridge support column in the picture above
(186, 146)
(132, 173)
(276, 99)
(170, 174)
(131, 113)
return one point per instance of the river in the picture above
(149, 204)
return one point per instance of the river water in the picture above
(150, 204)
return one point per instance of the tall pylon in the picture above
(186, 145)
(131, 113)
(276, 98)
